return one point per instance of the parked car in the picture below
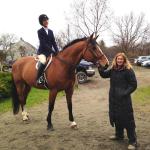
(7, 67)
(146, 63)
(141, 59)
(84, 70)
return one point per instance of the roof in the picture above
(16, 46)
(20, 49)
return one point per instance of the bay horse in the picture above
(60, 75)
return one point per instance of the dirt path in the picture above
(90, 105)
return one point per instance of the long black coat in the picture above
(122, 83)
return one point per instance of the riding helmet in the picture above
(42, 18)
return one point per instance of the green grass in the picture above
(142, 95)
(36, 96)
(5, 105)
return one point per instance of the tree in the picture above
(130, 31)
(102, 45)
(22, 50)
(6, 41)
(63, 37)
(61, 40)
(2, 59)
(90, 16)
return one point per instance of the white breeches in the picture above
(42, 58)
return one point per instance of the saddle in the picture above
(42, 79)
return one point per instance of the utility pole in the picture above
(68, 33)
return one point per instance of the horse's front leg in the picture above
(52, 97)
(69, 93)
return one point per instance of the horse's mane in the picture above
(73, 42)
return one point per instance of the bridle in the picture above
(94, 53)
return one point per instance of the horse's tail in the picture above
(15, 98)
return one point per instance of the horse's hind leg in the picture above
(23, 90)
(69, 93)
(26, 91)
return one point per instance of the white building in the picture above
(20, 49)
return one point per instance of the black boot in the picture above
(41, 68)
(131, 135)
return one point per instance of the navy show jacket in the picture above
(47, 41)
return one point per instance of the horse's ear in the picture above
(96, 37)
(91, 36)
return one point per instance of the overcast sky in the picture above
(21, 16)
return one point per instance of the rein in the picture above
(65, 62)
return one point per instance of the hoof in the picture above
(25, 117)
(73, 125)
(50, 128)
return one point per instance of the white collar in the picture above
(46, 29)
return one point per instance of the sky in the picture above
(20, 17)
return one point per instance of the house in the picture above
(20, 49)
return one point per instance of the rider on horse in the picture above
(47, 41)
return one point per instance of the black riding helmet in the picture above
(42, 18)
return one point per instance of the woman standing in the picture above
(122, 83)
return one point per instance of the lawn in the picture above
(35, 97)
(142, 95)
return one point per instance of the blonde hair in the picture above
(126, 64)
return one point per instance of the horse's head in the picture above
(93, 53)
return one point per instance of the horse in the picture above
(60, 75)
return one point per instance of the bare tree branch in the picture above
(90, 16)
(130, 31)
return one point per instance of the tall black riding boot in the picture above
(41, 68)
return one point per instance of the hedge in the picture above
(5, 85)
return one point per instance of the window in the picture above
(143, 57)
